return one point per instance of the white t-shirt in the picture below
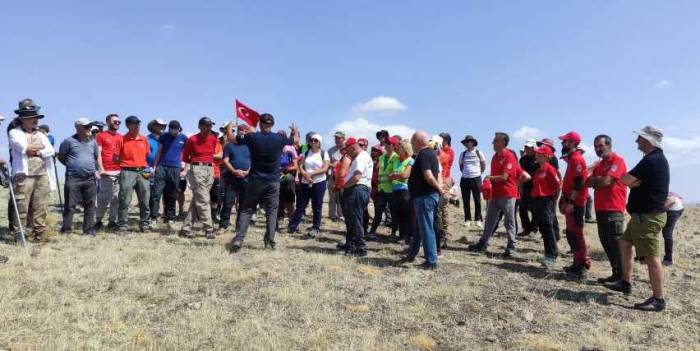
(362, 163)
(313, 162)
(471, 163)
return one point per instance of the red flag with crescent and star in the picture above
(248, 115)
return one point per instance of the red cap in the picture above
(544, 150)
(573, 136)
(393, 141)
(350, 142)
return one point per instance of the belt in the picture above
(134, 169)
(201, 164)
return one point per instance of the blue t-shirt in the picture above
(153, 143)
(171, 154)
(265, 151)
(238, 156)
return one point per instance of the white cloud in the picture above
(381, 104)
(663, 84)
(362, 128)
(526, 133)
(682, 150)
(166, 27)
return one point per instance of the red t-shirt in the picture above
(109, 142)
(447, 157)
(218, 163)
(200, 149)
(575, 167)
(133, 151)
(505, 162)
(614, 197)
(545, 181)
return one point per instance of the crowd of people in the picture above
(407, 179)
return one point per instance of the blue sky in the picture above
(459, 66)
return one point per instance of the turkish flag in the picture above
(248, 115)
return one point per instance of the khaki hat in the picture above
(652, 135)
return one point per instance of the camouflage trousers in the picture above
(440, 223)
(32, 196)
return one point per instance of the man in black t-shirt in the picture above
(425, 190)
(648, 182)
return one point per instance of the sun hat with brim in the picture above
(651, 134)
(470, 138)
(22, 114)
(530, 143)
(548, 142)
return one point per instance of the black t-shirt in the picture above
(265, 151)
(651, 194)
(417, 186)
(529, 165)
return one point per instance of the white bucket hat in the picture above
(652, 134)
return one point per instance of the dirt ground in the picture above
(149, 291)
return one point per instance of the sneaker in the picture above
(508, 253)
(548, 262)
(312, 233)
(209, 234)
(121, 230)
(185, 233)
(478, 247)
(652, 304)
(479, 224)
(235, 246)
(293, 231)
(428, 266)
(112, 226)
(269, 244)
(611, 279)
(90, 233)
(467, 223)
(145, 228)
(621, 286)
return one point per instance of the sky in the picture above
(528, 68)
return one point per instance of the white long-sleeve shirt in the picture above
(20, 160)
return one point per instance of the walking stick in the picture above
(58, 186)
(17, 217)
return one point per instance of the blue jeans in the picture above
(234, 188)
(313, 192)
(425, 208)
(356, 200)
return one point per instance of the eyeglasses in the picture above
(314, 140)
(117, 122)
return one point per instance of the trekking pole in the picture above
(58, 186)
(17, 217)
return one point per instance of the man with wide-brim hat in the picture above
(472, 164)
(32, 161)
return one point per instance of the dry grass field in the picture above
(148, 291)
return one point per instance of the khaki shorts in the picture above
(644, 232)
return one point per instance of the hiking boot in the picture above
(98, 226)
(611, 279)
(270, 244)
(342, 247)
(579, 272)
(406, 259)
(652, 304)
(371, 236)
(209, 234)
(478, 247)
(185, 233)
(621, 286)
(112, 226)
(428, 266)
(358, 253)
(508, 253)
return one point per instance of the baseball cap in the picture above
(132, 120)
(205, 120)
(161, 122)
(339, 134)
(350, 142)
(174, 124)
(530, 143)
(83, 122)
(573, 136)
(544, 150)
(652, 135)
(393, 141)
(317, 137)
(267, 118)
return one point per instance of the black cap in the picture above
(381, 133)
(44, 127)
(205, 120)
(267, 118)
(132, 120)
(174, 124)
(446, 137)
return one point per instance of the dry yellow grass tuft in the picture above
(423, 342)
(369, 271)
(357, 308)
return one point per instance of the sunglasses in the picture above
(117, 122)
(314, 140)
(266, 122)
